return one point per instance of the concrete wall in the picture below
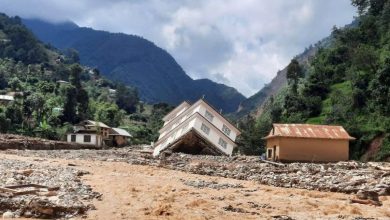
(8, 141)
(95, 139)
(214, 136)
(218, 121)
(309, 149)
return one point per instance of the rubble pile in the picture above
(213, 184)
(10, 141)
(345, 177)
(42, 191)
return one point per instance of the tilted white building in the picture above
(196, 129)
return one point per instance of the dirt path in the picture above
(144, 192)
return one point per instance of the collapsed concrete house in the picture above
(196, 129)
(306, 142)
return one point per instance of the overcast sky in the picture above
(241, 43)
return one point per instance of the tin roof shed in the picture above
(309, 131)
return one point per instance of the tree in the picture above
(14, 113)
(74, 78)
(15, 84)
(34, 104)
(70, 104)
(109, 114)
(72, 55)
(82, 98)
(126, 98)
(380, 90)
(250, 142)
(5, 123)
(294, 73)
(3, 80)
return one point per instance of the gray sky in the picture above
(241, 43)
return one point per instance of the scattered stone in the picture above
(62, 198)
(282, 217)
(213, 184)
(370, 195)
(8, 214)
(345, 177)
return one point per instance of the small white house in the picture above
(196, 129)
(85, 138)
(95, 133)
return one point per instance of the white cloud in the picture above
(240, 43)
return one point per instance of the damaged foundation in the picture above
(193, 143)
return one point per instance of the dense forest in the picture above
(53, 91)
(346, 83)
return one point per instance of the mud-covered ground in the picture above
(129, 184)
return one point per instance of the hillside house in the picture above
(119, 137)
(305, 142)
(196, 129)
(90, 132)
(5, 99)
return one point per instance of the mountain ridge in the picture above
(140, 63)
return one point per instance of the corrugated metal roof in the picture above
(120, 131)
(309, 131)
(97, 124)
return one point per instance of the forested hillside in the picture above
(52, 91)
(136, 62)
(347, 83)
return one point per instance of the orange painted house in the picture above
(306, 142)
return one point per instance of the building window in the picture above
(222, 142)
(226, 130)
(87, 138)
(205, 129)
(209, 116)
(269, 153)
(73, 138)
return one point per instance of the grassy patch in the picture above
(340, 89)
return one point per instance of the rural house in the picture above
(97, 133)
(119, 137)
(196, 129)
(305, 142)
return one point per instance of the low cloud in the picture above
(240, 43)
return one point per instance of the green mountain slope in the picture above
(136, 62)
(52, 91)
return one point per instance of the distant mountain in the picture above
(136, 62)
(254, 104)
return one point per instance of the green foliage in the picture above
(19, 43)
(294, 73)
(126, 98)
(15, 84)
(250, 142)
(109, 114)
(146, 122)
(5, 123)
(384, 152)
